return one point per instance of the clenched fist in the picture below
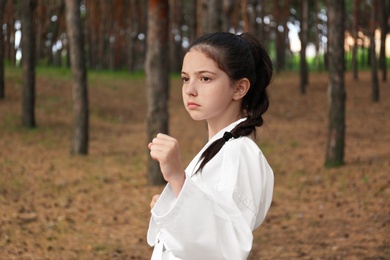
(165, 149)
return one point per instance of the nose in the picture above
(190, 88)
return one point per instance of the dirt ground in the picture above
(57, 206)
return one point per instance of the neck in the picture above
(215, 127)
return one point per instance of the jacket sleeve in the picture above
(215, 221)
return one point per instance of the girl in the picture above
(209, 210)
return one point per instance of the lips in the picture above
(192, 105)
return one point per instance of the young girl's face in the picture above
(207, 91)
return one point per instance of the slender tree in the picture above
(2, 86)
(79, 72)
(261, 14)
(227, 14)
(303, 35)
(41, 29)
(28, 63)
(190, 7)
(9, 19)
(355, 28)
(373, 60)
(132, 31)
(281, 10)
(157, 78)
(92, 32)
(210, 21)
(252, 15)
(245, 16)
(384, 30)
(336, 131)
(175, 35)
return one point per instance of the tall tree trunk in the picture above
(79, 73)
(192, 25)
(320, 62)
(252, 13)
(384, 30)
(176, 36)
(262, 37)
(119, 26)
(8, 17)
(28, 63)
(336, 131)
(244, 15)
(157, 78)
(281, 13)
(42, 28)
(201, 9)
(2, 86)
(212, 22)
(132, 31)
(88, 33)
(373, 60)
(59, 11)
(102, 35)
(228, 7)
(11, 50)
(303, 37)
(355, 28)
(143, 21)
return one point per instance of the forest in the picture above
(115, 31)
(85, 84)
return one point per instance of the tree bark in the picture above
(157, 78)
(303, 35)
(228, 7)
(192, 25)
(79, 73)
(245, 16)
(336, 130)
(373, 60)
(132, 31)
(252, 13)
(28, 63)
(355, 29)
(384, 30)
(2, 86)
(262, 37)
(281, 13)
(176, 36)
(212, 21)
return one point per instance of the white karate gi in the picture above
(217, 209)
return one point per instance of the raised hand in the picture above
(165, 149)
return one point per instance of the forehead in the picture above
(195, 60)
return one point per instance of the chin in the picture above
(196, 117)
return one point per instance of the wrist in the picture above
(177, 183)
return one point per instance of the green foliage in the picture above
(54, 72)
(96, 75)
(313, 63)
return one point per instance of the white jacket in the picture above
(217, 209)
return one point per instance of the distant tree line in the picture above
(115, 31)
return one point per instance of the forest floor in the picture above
(57, 206)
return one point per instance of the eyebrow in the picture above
(201, 72)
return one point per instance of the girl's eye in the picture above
(185, 79)
(205, 79)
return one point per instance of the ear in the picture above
(241, 88)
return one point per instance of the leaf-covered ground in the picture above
(57, 206)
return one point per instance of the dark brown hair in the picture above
(239, 56)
